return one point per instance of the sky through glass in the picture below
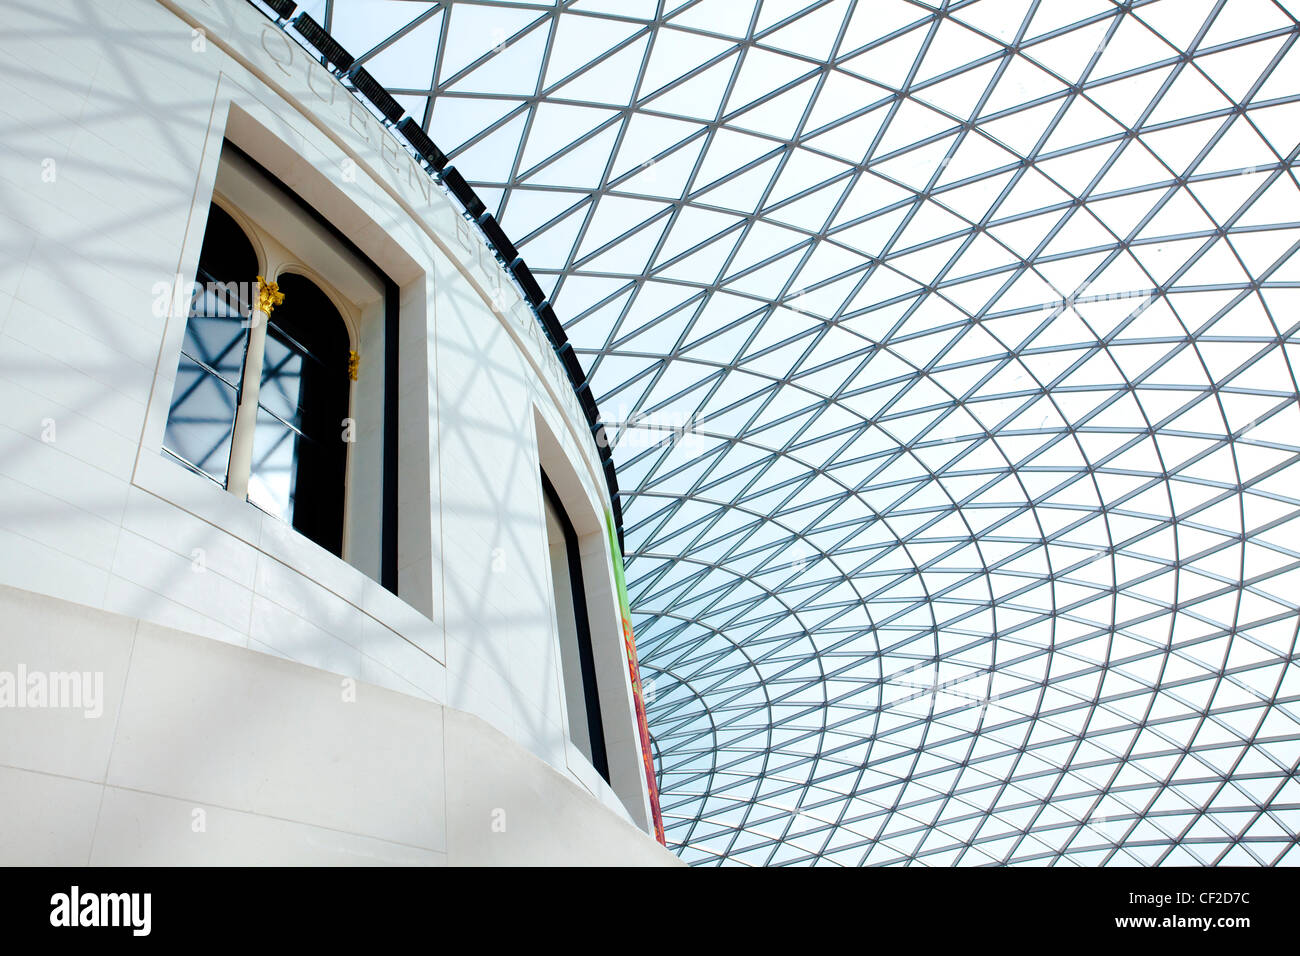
(951, 349)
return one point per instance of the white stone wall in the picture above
(109, 138)
(202, 753)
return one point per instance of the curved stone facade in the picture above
(248, 678)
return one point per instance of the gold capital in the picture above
(354, 362)
(268, 296)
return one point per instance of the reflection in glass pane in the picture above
(271, 483)
(201, 420)
(214, 336)
(281, 390)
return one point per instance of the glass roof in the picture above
(952, 352)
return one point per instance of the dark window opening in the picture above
(299, 450)
(576, 656)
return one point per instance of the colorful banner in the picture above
(638, 698)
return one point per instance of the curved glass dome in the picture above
(952, 352)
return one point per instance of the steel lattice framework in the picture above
(952, 351)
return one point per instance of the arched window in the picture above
(299, 463)
(261, 407)
(201, 422)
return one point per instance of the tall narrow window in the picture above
(582, 700)
(299, 463)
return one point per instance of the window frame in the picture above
(256, 325)
(380, 560)
(597, 744)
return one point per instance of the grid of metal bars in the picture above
(950, 349)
